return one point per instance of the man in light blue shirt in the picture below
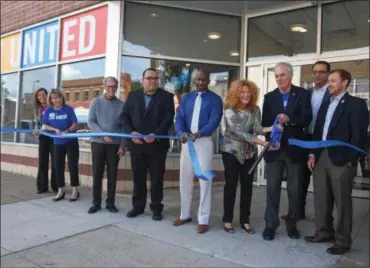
(199, 115)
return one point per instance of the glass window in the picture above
(350, 31)
(77, 79)
(178, 78)
(163, 31)
(9, 92)
(31, 81)
(284, 34)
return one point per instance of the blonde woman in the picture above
(61, 118)
(240, 126)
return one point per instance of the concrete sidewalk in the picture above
(36, 232)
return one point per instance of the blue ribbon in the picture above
(276, 134)
(208, 175)
(323, 144)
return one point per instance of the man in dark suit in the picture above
(318, 94)
(292, 105)
(149, 111)
(343, 118)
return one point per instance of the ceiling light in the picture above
(154, 15)
(299, 28)
(187, 65)
(234, 53)
(214, 35)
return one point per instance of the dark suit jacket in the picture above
(349, 124)
(300, 115)
(157, 118)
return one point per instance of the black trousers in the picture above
(275, 170)
(156, 164)
(104, 155)
(72, 151)
(46, 148)
(234, 172)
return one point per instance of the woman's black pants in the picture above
(234, 172)
(46, 148)
(72, 151)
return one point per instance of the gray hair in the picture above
(288, 66)
(109, 78)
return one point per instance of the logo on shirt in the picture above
(51, 116)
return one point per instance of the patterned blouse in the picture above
(239, 129)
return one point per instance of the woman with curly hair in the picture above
(46, 145)
(240, 126)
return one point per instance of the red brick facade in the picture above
(19, 14)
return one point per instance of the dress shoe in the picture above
(318, 239)
(293, 233)
(74, 199)
(42, 191)
(157, 216)
(202, 228)
(112, 208)
(268, 234)
(337, 250)
(248, 230)
(133, 213)
(56, 199)
(179, 222)
(94, 209)
(229, 230)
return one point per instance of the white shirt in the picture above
(334, 101)
(316, 100)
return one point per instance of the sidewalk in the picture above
(36, 232)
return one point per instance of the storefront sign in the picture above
(10, 53)
(84, 34)
(40, 44)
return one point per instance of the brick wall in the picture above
(18, 14)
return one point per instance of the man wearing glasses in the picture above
(149, 111)
(319, 94)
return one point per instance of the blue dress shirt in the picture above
(210, 113)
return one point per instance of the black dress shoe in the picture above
(249, 231)
(94, 209)
(229, 230)
(112, 208)
(74, 199)
(293, 233)
(268, 234)
(318, 239)
(157, 216)
(42, 191)
(337, 250)
(133, 213)
(56, 199)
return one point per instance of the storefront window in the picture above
(350, 31)
(9, 92)
(31, 81)
(178, 78)
(288, 33)
(163, 31)
(81, 82)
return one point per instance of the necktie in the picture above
(196, 113)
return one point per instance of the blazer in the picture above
(299, 111)
(239, 129)
(349, 124)
(157, 118)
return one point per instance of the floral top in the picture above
(239, 129)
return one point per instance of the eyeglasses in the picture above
(151, 78)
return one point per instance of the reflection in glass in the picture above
(157, 30)
(9, 90)
(284, 34)
(351, 31)
(80, 83)
(31, 81)
(178, 78)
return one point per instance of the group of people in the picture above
(326, 111)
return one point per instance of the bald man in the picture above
(199, 115)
